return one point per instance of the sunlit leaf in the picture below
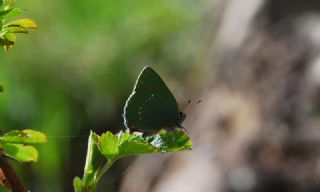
(134, 144)
(24, 137)
(21, 23)
(108, 145)
(124, 143)
(15, 29)
(19, 152)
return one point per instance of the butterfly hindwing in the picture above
(151, 106)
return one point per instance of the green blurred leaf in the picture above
(1, 88)
(10, 38)
(24, 23)
(19, 152)
(27, 136)
(10, 13)
(7, 39)
(20, 25)
(5, 4)
(4, 189)
(15, 29)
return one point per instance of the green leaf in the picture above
(94, 159)
(19, 152)
(15, 29)
(10, 13)
(94, 162)
(21, 24)
(7, 2)
(10, 39)
(108, 145)
(1, 88)
(134, 144)
(167, 141)
(124, 143)
(26, 136)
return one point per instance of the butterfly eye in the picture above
(182, 116)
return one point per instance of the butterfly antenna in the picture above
(189, 101)
(186, 105)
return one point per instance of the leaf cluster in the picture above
(18, 144)
(111, 147)
(9, 28)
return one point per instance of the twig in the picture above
(11, 179)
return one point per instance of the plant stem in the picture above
(11, 178)
(104, 169)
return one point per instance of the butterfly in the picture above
(151, 106)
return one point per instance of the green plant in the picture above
(113, 147)
(16, 144)
(8, 29)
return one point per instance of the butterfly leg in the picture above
(132, 130)
(181, 127)
(150, 133)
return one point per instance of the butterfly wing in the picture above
(151, 106)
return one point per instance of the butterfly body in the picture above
(151, 106)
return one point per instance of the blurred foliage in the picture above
(74, 73)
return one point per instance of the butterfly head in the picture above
(182, 117)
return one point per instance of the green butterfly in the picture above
(151, 106)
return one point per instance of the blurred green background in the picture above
(76, 70)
